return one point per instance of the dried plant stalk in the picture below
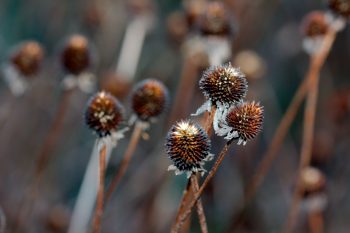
(100, 193)
(199, 205)
(317, 62)
(211, 174)
(135, 137)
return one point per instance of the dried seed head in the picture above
(224, 84)
(194, 9)
(312, 180)
(116, 84)
(103, 113)
(215, 21)
(340, 7)
(188, 147)
(76, 55)
(315, 24)
(149, 99)
(247, 119)
(27, 58)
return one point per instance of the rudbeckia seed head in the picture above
(76, 55)
(27, 58)
(103, 113)
(188, 146)
(149, 99)
(246, 119)
(224, 84)
(340, 7)
(215, 21)
(315, 24)
(312, 180)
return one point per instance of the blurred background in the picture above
(266, 44)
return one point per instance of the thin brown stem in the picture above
(316, 222)
(317, 62)
(135, 137)
(42, 161)
(199, 204)
(100, 193)
(211, 174)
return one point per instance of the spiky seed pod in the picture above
(188, 146)
(313, 181)
(315, 24)
(224, 84)
(340, 7)
(215, 21)
(27, 58)
(149, 99)
(76, 55)
(103, 113)
(246, 119)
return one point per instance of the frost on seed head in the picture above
(242, 122)
(103, 114)
(187, 146)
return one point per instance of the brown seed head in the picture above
(315, 24)
(187, 146)
(247, 119)
(28, 57)
(194, 9)
(224, 83)
(103, 113)
(149, 99)
(76, 55)
(340, 7)
(215, 22)
(312, 180)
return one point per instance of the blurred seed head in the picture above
(315, 24)
(28, 57)
(177, 26)
(149, 99)
(247, 119)
(340, 7)
(194, 9)
(188, 146)
(116, 84)
(76, 56)
(215, 21)
(224, 84)
(312, 180)
(103, 113)
(58, 219)
(251, 64)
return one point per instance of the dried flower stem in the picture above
(199, 204)
(135, 137)
(100, 194)
(211, 174)
(316, 222)
(42, 161)
(317, 62)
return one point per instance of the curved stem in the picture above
(317, 62)
(199, 204)
(211, 174)
(135, 137)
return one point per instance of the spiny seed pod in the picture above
(224, 84)
(315, 24)
(340, 7)
(27, 58)
(76, 55)
(215, 22)
(188, 146)
(312, 180)
(149, 99)
(103, 113)
(247, 119)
